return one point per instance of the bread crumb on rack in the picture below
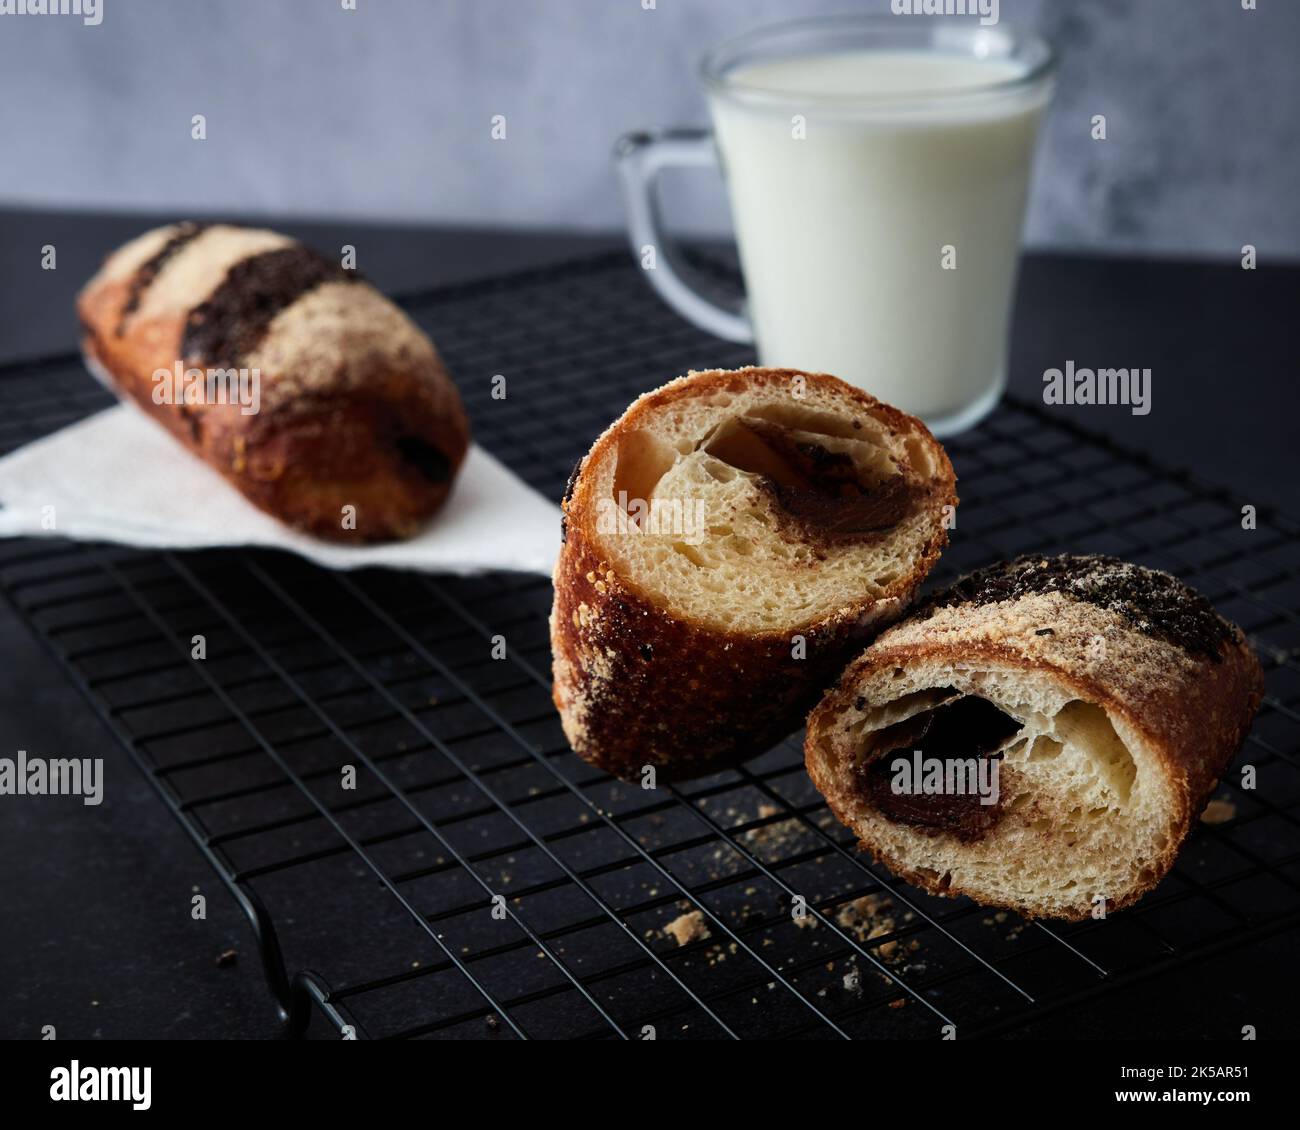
(1219, 811)
(687, 928)
(868, 918)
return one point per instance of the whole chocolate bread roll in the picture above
(1111, 698)
(307, 389)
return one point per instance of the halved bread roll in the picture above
(730, 542)
(1109, 696)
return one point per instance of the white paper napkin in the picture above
(119, 477)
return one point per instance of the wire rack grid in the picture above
(481, 881)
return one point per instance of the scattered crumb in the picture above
(688, 927)
(862, 912)
(1219, 811)
(226, 958)
(853, 981)
(868, 918)
(772, 840)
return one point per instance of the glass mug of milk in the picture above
(877, 169)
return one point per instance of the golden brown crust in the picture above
(347, 425)
(1192, 711)
(637, 685)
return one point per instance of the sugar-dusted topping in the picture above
(1154, 603)
(335, 337)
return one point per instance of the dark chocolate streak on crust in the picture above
(1155, 603)
(148, 270)
(235, 317)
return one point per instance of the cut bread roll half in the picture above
(730, 542)
(1041, 736)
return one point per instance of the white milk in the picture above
(840, 233)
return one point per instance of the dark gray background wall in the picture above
(384, 112)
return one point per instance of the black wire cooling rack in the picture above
(481, 881)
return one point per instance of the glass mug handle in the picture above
(639, 158)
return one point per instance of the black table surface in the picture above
(96, 936)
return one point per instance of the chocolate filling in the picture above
(1155, 603)
(145, 274)
(424, 458)
(850, 514)
(820, 490)
(235, 317)
(969, 727)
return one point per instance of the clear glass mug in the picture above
(878, 221)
